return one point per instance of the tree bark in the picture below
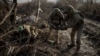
(13, 15)
(6, 4)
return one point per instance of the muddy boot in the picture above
(78, 46)
(71, 46)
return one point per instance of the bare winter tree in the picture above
(11, 12)
(13, 15)
(6, 6)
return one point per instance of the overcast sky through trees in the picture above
(22, 1)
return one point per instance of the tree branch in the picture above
(7, 15)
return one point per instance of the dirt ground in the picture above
(23, 45)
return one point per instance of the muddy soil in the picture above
(20, 44)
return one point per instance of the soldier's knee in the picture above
(72, 33)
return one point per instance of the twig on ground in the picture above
(7, 33)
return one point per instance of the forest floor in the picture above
(90, 43)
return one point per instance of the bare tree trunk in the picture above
(13, 15)
(6, 6)
(95, 2)
(87, 4)
(91, 5)
(38, 11)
